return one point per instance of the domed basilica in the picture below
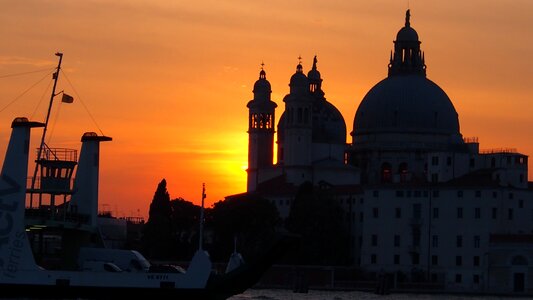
(418, 196)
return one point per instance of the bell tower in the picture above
(261, 121)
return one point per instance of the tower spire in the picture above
(262, 73)
(299, 67)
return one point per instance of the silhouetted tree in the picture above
(185, 222)
(251, 219)
(318, 219)
(158, 238)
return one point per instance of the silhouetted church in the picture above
(420, 198)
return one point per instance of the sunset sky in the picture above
(169, 80)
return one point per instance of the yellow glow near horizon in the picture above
(169, 81)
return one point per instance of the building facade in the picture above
(419, 198)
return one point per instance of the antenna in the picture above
(201, 240)
(55, 76)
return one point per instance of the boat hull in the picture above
(94, 292)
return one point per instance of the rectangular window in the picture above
(494, 194)
(399, 194)
(477, 213)
(435, 194)
(510, 214)
(459, 194)
(458, 278)
(434, 177)
(396, 240)
(435, 212)
(396, 259)
(435, 241)
(416, 236)
(417, 211)
(416, 258)
(477, 241)
(375, 194)
(434, 260)
(478, 194)
(449, 161)
(374, 240)
(520, 203)
(417, 194)
(459, 241)
(472, 162)
(476, 261)
(458, 260)
(375, 212)
(435, 161)
(459, 213)
(361, 216)
(373, 259)
(398, 213)
(511, 196)
(494, 213)
(475, 278)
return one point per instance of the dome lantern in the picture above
(262, 89)
(315, 82)
(407, 58)
(299, 84)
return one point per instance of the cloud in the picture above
(29, 61)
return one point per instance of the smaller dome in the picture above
(313, 75)
(407, 34)
(298, 80)
(262, 86)
(328, 124)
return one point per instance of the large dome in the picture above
(406, 107)
(406, 104)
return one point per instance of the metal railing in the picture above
(498, 150)
(61, 154)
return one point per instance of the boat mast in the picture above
(55, 76)
(201, 240)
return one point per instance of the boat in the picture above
(51, 245)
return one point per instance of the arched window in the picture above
(386, 172)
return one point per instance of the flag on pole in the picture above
(67, 98)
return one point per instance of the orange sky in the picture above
(169, 80)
